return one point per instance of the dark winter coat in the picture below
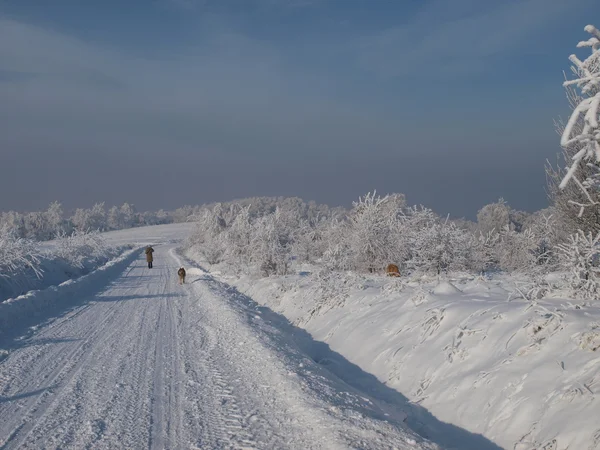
(149, 251)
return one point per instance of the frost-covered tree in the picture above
(567, 200)
(93, 219)
(128, 213)
(308, 240)
(14, 222)
(35, 226)
(113, 218)
(582, 130)
(182, 214)
(162, 217)
(373, 221)
(495, 216)
(55, 220)
(338, 252)
(98, 217)
(483, 256)
(412, 221)
(81, 219)
(239, 237)
(208, 235)
(271, 243)
(548, 233)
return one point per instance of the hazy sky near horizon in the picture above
(162, 103)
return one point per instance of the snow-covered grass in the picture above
(473, 351)
(25, 265)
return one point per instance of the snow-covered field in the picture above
(134, 360)
(523, 374)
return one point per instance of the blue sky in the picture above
(167, 102)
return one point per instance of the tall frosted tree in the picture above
(55, 221)
(582, 131)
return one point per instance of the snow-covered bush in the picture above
(18, 255)
(338, 254)
(483, 256)
(207, 235)
(583, 127)
(580, 257)
(517, 251)
(372, 225)
(80, 247)
(439, 246)
(25, 266)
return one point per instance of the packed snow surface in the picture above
(134, 360)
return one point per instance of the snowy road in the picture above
(147, 363)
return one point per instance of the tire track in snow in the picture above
(64, 420)
(50, 370)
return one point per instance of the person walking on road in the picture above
(149, 258)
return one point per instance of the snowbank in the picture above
(27, 309)
(523, 374)
(53, 271)
(27, 265)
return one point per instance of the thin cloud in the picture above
(441, 41)
(191, 5)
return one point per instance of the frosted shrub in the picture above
(208, 235)
(517, 251)
(579, 256)
(18, 255)
(372, 222)
(483, 251)
(79, 247)
(440, 247)
(493, 217)
(239, 237)
(307, 242)
(412, 222)
(338, 253)
(213, 249)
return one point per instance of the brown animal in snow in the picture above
(181, 273)
(392, 270)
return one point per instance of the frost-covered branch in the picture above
(582, 129)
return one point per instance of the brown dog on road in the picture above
(181, 273)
